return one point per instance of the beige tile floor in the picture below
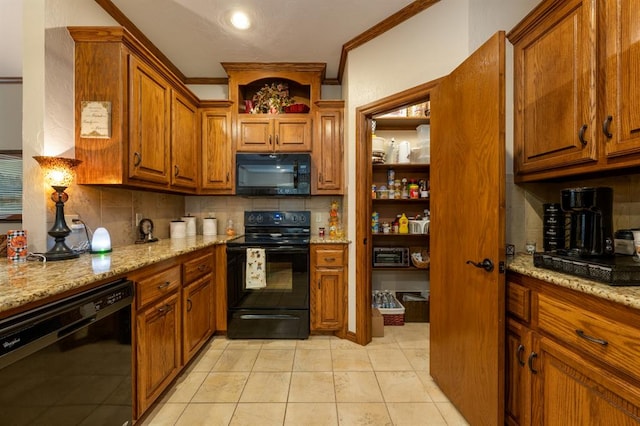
(320, 381)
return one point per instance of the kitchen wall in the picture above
(11, 127)
(231, 207)
(626, 202)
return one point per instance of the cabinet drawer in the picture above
(607, 340)
(518, 301)
(196, 268)
(158, 285)
(329, 257)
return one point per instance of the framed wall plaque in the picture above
(95, 120)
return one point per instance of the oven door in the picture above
(279, 310)
(287, 277)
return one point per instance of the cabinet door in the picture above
(327, 153)
(149, 124)
(575, 391)
(327, 304)
(327, 298)
(292, 134)
(255, 134)
(217, 151)
(555, 75)
(184, 143)
(622, 33)
(158, 349)
(518, 384)
(197, 313)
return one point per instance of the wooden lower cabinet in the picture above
(518, 346)
(174, 318)
(556, 377)
(572, 390)
(328, 295)
(198, 315)
(158, 348)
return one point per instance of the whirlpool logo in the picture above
(8, 344)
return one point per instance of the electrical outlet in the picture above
(69, 218)
(138, 219)
(318, 218)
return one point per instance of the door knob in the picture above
(486, 264)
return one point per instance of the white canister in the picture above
(209, 226)
(178, 229)
(191, 225)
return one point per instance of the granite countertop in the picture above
(624, 295)
(22, 283)
(318, 240)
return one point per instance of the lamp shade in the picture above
(58, 171)
(101, 242)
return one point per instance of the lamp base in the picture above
(53, 256)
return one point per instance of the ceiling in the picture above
(195, 36)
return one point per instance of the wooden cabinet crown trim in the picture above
(533, 19)
(122, 35)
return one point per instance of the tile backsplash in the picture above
(626, 204)
(116, 209)
(224, 208)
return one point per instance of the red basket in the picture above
(393, 319)
(296, 108)
(393, 316)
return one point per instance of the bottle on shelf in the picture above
(404, 224)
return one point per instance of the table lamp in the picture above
(59, 174)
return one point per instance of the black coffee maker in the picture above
(591, 221)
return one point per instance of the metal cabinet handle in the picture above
(532, 356)
(319, 283)
(177, 170)
(329, 259)
(270, 140)
(202, 267)
(486, 264)
(320, 178)
(164, 285)
(277, 139)
(165, 309)
(606, 126)
(227, 176)
(137, 159)
(189, 305)
(583, 129)
(581, 334)
(519, 352)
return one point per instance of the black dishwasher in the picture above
(69, 362)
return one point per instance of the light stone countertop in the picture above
(318, 240)
(624, 295)
(23, 283)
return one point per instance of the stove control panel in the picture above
(277, 218)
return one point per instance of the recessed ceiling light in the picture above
(240, 20)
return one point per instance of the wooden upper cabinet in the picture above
(259, 133)
(577, 100)
(328, 152)
(151, 120)
(555, 86)
(149, 123)
(284, 132)
(217, 149)
(621, 118)
(185, 144)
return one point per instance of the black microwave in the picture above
(273, 174)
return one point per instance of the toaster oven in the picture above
(391, 257)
